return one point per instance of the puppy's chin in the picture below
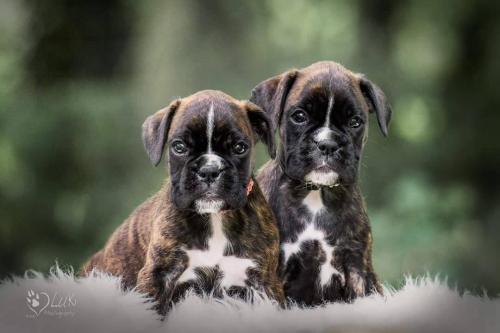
(208, 206)
(322, 177)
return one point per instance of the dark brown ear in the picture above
(376, 100)
(262, 126)
(271, 94)
(155, 131)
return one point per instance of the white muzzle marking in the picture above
(327, 178)
(324, 133)
(208, 206)
(213, 159)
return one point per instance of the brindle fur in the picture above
(147, 250)
(344, 219)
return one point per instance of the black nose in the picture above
(209, 173)
(327, 147)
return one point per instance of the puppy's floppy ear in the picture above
(155, 131)
(271, 94)
(376, 100)
(262, 126)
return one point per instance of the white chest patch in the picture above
(232, 267)
(314, 204)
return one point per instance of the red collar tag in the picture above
(249, 186)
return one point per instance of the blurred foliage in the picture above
(77, 80)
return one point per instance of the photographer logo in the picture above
(55, 305)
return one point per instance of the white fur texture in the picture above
(312, 233)
(210, 127)
(322, 178)
(329, 111)
(422, 305)
(208, 206)
(213, 159)
(233, 268)
(323, 134)
(314, 204)
(209, 257)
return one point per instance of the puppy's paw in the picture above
(356, 284)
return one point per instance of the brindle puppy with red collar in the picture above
(322, 115)
(209, 228)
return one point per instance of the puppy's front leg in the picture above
(158, 276)
(356, 283)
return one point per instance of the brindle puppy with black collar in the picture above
(322, 115)
(209, 228)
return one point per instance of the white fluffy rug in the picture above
(62, 303)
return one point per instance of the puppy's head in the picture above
(210, 139)
(322, 115)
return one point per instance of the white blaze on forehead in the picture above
(325, 131)
(211, 158)
(210, 127)
(329, 111)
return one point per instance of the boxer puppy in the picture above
(322, 115)
(209, 228)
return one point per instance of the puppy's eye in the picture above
(355, 122)
(240, 148)
(299, 117)
(179, 147)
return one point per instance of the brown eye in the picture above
(355, 122)
(179, 147)
(240, 148)
(299, 117)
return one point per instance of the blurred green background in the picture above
(78, 78)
